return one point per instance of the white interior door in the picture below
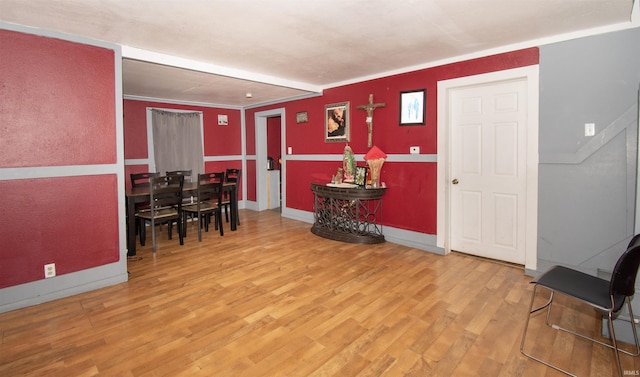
(488, 170)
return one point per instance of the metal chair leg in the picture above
(526, 327)
(613, 345)
(612, 332)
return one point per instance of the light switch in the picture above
(589, 129)
(289, 150)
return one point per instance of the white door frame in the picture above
(261, 157)
(531, 74)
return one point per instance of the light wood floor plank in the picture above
(272, 299)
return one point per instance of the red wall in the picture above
(47, 107)
(410, 201)
(274, 139)
(57, 109)
(218, 140)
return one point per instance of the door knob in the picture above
(455, 181)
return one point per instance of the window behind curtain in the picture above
(177, 141)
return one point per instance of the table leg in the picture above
(131, 227)
(234, 208)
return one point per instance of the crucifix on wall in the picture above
(369, 109)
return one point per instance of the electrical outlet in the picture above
(414, 150)
(49, 270)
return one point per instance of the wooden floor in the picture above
(272, 299)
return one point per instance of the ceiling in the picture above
(217, 51)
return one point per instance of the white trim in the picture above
(65, 285)
(531, 74)
(283, 100)
(261, 156)
(261, 161)
(220, 105)
(134, 53)
(67, 37)
(360, 157)
(223, 158)
(39, 291)
(283, 161)
(637, 203)
(634, 22)
(416, 240)
(136, 161)
(119, 119)
(145, 161)
(8, 174)
(179, 102)
(243, 150)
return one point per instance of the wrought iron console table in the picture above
(348, 214)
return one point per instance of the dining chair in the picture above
(140, 180)
(607, 297)
(187, 177)
(186, 173)
(208, 201)
(165, 206)
(231, 175)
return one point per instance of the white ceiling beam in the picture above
(129, 52)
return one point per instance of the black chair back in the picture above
(166, 191)
(623, 279)
(185, 173)
(210, 187)
(142, 179)
(232, 175)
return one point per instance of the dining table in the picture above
(142, 194)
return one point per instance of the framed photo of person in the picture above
(361, 175)
(336, 122)
(412, 107)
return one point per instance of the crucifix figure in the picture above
(369, 109)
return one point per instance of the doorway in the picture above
(274, 153)
(488, 165)
(262, 179)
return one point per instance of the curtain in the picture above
(177, 141)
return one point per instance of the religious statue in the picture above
(348, 165)
(337, 179)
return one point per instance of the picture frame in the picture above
(302, 117)
(223, 120)
(361, 176)
(413, 107)
(336, 122)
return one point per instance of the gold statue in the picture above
(375, 158)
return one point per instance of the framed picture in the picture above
(336, 122)
(302, 117)
(361, 175)
(412, 107)
(223, 120)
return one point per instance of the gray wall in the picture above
(587, 185)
